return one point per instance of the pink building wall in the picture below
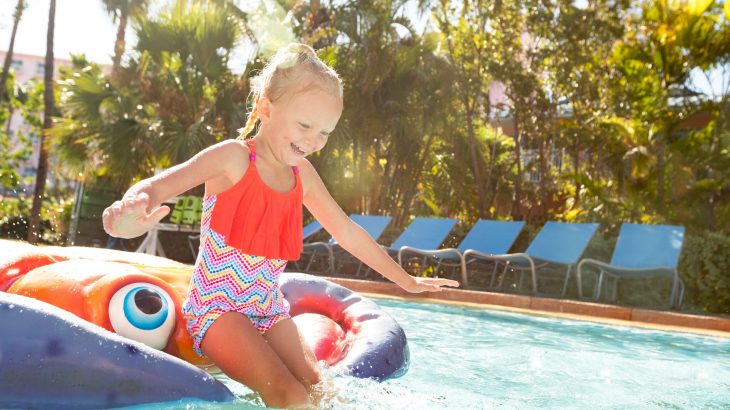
(27, 67)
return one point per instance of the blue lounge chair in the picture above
(641, 251)
(374, 225)
(557, 245)
(422, 233)
(310, 229)
(485, 237)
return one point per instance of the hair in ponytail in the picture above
(250, 122)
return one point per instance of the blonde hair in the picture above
(286, 70)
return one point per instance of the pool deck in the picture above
(566, 308)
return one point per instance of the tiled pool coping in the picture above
(596, 312)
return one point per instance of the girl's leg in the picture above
(285, 339)
(240, 351)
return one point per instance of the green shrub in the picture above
(705, 268)
(55, 217)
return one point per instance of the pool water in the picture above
(463, 358)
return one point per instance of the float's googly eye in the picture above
(143, 312)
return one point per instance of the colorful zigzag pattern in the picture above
(226, 279)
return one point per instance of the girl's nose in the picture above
(310, 139)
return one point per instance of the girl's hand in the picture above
(128, 218)
(429, 285)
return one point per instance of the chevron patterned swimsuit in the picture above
(247, 234)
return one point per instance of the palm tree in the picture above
(40, 181)
(123, 10)
(469, 58)
(9, 56)
(169, 102)
(387, 132)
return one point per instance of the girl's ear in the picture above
(263, 109)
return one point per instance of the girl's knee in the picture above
(312, 377)
(284, 395)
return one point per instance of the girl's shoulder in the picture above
(235, 152)
(232, 144)
(231, 159)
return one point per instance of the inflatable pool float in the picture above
(49, 358)
(139, 297)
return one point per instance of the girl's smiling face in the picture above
(299, 124)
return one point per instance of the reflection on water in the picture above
(478, 359)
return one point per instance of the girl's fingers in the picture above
(105, 220)
(442, 282)
(127, 204)
(141, 202)
(449, 282)
(158, 214)
(434, 284)
(132, 206)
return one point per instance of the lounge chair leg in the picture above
(673, 296)
(579, 284)
(331, 266)
(436, 269)
(500, 285)
(494, 274)
(464, 273)
(565, 282)
(311, 260)
(680, 297)
(599, 284)
(614, 293)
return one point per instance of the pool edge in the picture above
(564, 308)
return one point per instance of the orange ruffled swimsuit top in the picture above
(256, 219)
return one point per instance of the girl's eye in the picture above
(143, 312)
(305, 126)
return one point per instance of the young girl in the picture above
(252, 224)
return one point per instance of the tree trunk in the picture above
(9, 55)
(40, 181)
(518, 160)
(661, 165)
(491, 192)
(410, 191)
(387, 196)
(363, 188)
(11, 111)
(473, 150)
(576, 170)
(119, 43)
(545, 153)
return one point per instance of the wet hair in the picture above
(293, 69)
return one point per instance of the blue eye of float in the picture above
(143, 312)
(145, 308)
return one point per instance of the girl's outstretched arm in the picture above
(354, 239)
(140, 207)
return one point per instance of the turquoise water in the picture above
(465, 358)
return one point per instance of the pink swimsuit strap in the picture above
(252, 155)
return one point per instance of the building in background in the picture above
(28, 67)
